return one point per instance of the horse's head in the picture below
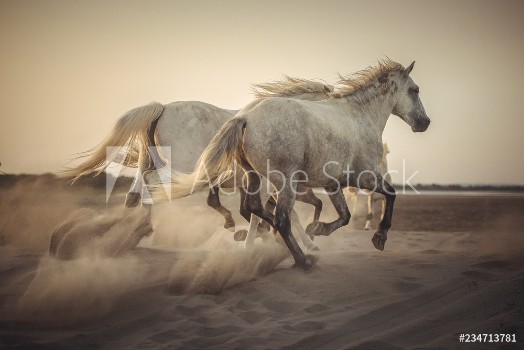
(408, 106)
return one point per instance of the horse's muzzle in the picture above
(421, 125)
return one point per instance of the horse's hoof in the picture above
(263, 226)
(379, 240)
(306, 264)
(230, 226)
(240, 235)
(316, 229)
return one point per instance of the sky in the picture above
(70, 68)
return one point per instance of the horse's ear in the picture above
(410, 68)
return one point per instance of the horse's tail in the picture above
(134, 131)
(217, 162)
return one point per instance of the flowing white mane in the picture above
(290, 87)
(362, 79)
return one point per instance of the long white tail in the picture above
(130, 132)
(216, 164)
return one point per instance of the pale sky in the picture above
(70, 68)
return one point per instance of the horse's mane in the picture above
(360, 80)
(290, 87)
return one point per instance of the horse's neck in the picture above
(376, 109)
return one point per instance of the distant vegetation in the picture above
(480, 188)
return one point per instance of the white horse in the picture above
(139, 136)
(333, 143)
(371, 197)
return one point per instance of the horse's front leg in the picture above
(309, 197)
(388, 191)
(325, 229)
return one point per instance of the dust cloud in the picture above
(78, 290)
(82, 257)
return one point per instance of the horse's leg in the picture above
(306, 240)
(325, 229)
(382, 207)
(369, 217)
(241, 235)
(285, 202)
(252, 202)
(150, 177)
(310, 198)
(263, 226)
(213, 200)
(351, 195)
(269, 207)
(388, 191)
(243, 208)
(252, 231)
(133, 196)
(254, 223)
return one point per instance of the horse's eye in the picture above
(414, 90)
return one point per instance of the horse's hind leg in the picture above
(325, 229)
(255, 223)
(144, 176)
(285, 202)
(310, 198)
(213, 200)
(269, 207)
(252, 203)
(134, 194)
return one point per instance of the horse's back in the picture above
(307, 135)
(187, 127)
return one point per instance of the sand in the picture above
(452, 264)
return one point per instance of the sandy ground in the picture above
(452, 265)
